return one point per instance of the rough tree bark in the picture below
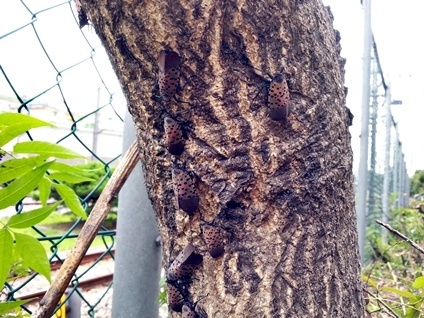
(281, 191)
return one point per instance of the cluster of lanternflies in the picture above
(181, 269)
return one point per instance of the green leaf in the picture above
(14, 168)
(397, 311)
(68, 177)
(401, 293)
(8, 174)
(419, 282)
(28, 219)
(14, 124)
(162, 292)
(18, 269)
(10, 119)
(63, 167)
(45, 148)
(412, 312)
(20, 162)
(71, 199)
(6, 250)
(11, 305)
(44, 187)
(368, 280)
(21, 186)
(33, 254)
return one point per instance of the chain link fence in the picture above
(55, 71)
(388, 181)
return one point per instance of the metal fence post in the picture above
(138, 257)
(396, 162)
(407, 186)
(361, 207)
(403, 178)
(386, 186)
(372, 189)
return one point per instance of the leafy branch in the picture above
(21, 175)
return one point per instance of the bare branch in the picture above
(403, 237)
(385, 306)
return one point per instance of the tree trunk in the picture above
(281, 192)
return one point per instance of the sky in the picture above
(397, 27)
(396, 24)
(31, 72)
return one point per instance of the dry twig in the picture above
(403, 237)
(385, 307)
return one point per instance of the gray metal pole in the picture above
(407, 186)
(96, 124)
(73, 305)
(372, 193)
(386, 185)
(361, 207)
(402, 182)
(404, 185)
(396, 162)
(138, 257)
(399, 188)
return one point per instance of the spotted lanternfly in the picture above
(189, 310)
(174, 136)
(185, 263)
(278, 98)
(175, 297)
(185, 190)
(349, 117)
(82, 17)
(169, 73)
(214, 239)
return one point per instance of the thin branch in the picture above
(385, 306)
(87, 234)
(403, 237)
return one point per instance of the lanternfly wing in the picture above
(175, 297)
(188, 312)
(185, 190)
(185, 263)
(169, 73)
(214, 239)
(174, 136)
(168, 60)
(82, 17)
(278, 98)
